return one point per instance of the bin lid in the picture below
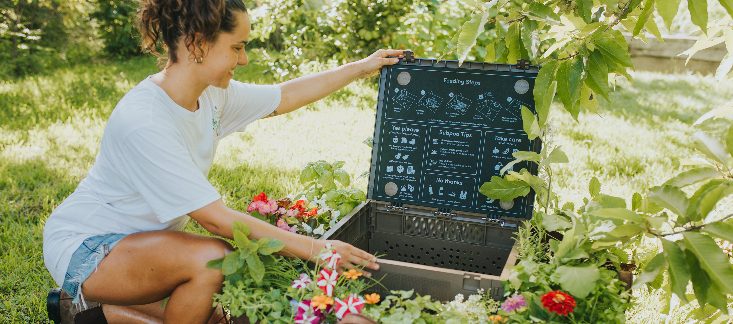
(443, 130)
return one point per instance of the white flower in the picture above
(307, 228)
(319, 230)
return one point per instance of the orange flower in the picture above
(321, 302)
(372, 298)
(352, 274)
(312, 213)
(496, 319)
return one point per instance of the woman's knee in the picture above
(205, 250)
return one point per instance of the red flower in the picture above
(312, 213)
(261, 197)
(298, 208)
(558, 302)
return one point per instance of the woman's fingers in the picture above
(391, 52)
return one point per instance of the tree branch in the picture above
(693, 228)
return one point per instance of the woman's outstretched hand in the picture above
(378, 59)
(351, 257)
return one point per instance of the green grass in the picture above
(51, 125)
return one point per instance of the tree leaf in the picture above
(613, 45)
(619, 214)
(541, 12)
(597, 72)
(530, 124)
(232, 262)
(469, 33)
(711, 147)
(269, 246)
(729, 141)
(720, 230)
(544, 91)
(501, 189)
(679, 273)
(514, 42)
(728, 5)
(256, 267)
(693, 176)
(556, 156)
(584, 10)
(594, 187)
(668, 10)
(578, 281)
(712, 260)
(669, 197)
(706, 290)
(607, 201)
(527, 156)
(699, 13)
(555, 222)
(644, 16)
(569, 76)
(706, 197)
(653, 269)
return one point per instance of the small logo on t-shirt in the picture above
(216, 121)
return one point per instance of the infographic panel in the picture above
(442, 132)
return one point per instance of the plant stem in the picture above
(693, 228)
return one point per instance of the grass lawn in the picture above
(51, 125)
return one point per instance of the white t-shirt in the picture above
(152, 167)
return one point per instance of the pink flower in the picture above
(306, 314)
(281, 224)
(302, 282)
(327, 281)
(254, 206)
(331, 257)
(514, 303)
(353, 305)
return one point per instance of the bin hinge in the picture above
(409, 56)
(492, 219)
(522, 65)
(396, 207)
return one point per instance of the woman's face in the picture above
(226, 53)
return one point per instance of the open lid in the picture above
(442, 131)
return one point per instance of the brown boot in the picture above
(61, 310)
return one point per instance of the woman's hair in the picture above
(163, 22)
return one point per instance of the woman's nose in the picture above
(243, 59)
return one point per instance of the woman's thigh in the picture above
(146, 267)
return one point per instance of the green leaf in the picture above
(613, 45)
(530, 124)
(669, 197)
(584, 9)
(594, 187)
(679, 273)
(514, 43)
(653, 269)
(728, 5)
(501, 189)
(636, 201)
(668, 10)
(699, 13)
(578, 281)
(625, 231)
(555, 222)
(720, 230)
(308, 175)
(597, 72)
(645, 14)
(607, 201)
(711, 259)
(256, 267)
(240, 233)
(469, 33)
(569, 77)
(269, 246)
(544, 91)
(706, 290)
(707, 197)
(326, 180)
(693, 176)
(342, 177)
(729, 141)
(618, 214)
(541, 12)
(556, 156)
(231, 264)
(215, 264)
(711, 147)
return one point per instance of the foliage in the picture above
(329, 184)
(116, 21)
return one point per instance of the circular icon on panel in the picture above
(404, 78)
(506, 205)
(521, 86)
(390, 189)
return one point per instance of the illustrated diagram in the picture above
(405, 99)
(458, 105)
(490, 107)
(430, 101)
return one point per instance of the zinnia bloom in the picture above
(352, 274)
(558, 302)
(321, 302)
(372, 298)
(514, 303)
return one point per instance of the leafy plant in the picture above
(329, 182)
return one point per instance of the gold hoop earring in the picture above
(198, 60)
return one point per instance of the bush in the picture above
(116, 21)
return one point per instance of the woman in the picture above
(117, 239)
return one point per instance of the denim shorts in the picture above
(84, 262)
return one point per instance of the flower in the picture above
(299, 206)
(558, 302)
(514, 303)
(281, 224)
(320, 230)
(372, 298)
(312, 213)
(327, 281)
(352, 274)
(307, 314)
(321, 302)
(331, 257)
(302, 282)
(352, 305)
(496, 319)
(260, 197)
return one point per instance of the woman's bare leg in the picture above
(146, 267)
(147, 314)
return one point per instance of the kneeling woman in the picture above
(117, 239)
